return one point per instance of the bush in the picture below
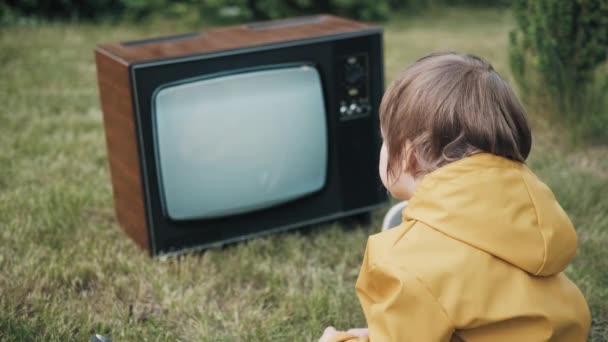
(236, 10)
(214, 9)
(91, 10)
(273, 9)
(558, 50)
(64, 9)
(370, 10)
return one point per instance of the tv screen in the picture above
(232, 143)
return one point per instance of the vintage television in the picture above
(230, 133)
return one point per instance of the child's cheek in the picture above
(383, 165)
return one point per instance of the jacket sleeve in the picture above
(398, 306)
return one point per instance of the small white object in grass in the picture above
(394, 216)
(100, 338)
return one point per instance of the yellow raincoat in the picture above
(479, 256)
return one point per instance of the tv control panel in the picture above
(354, 95)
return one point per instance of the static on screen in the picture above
(242, 142)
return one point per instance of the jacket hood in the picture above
(498, 206)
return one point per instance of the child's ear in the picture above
(409, 164)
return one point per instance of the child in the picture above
(483, 244)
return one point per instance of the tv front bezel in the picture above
(168, 236)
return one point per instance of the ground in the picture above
(67, 270)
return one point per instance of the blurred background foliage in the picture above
(558, 56)
(228, 10)
(558, 50)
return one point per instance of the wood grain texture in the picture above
(121, 142)
(227, 38)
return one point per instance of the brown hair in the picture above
(447, 106)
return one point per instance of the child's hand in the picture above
(360, 332)
(330, 332)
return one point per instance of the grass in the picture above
(67, 271)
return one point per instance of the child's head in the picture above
(442, 108)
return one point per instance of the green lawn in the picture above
(67, 270)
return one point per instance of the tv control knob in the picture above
(353, 107)
(343, 109)
(366, 108)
